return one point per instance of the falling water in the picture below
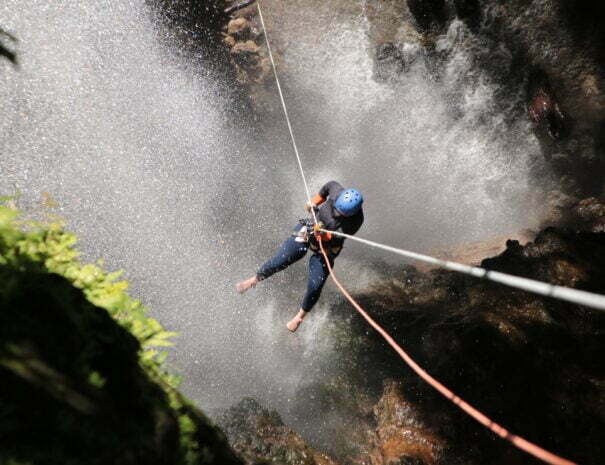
(148, 167)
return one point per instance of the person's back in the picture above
(332, 217)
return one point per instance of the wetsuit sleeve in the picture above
(331, 189)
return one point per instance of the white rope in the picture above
(283, 102)
(575, 296)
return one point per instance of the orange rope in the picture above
(517, 441)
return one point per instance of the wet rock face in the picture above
(585, 19)
(226, 36)
(249, 57)
(563, 40)
(245, 53)
(469, 11)
(590, 213)
(260, 436)
(389, 62)
(239, 29)
(428, 14)
(195, 25)
(193, 30)
(586, 214)
(565, 44)
(543, 108)
(400, 436)
(531, 363)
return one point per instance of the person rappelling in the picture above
(336, 209)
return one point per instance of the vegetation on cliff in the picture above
(83, 376)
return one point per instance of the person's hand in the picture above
(309, 206)
(317, 230)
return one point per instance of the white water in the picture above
(432, 175)
(134, 146)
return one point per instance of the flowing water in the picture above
(152, 172)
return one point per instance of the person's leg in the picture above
(318, 274)
(291, 251)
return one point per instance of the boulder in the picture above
(260, 436)
(245, 53)
(239, 28)
(401, 437)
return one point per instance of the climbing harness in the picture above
(307, 229)
(572, 295)
(308, 233)
(302, 233)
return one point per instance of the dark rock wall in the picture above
(556, 53)
(72, 389)
(531, 363)
(428, 14)
(563, 42)
(196, 25)
(195, 30)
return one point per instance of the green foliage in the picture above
(80, 380)
(47, 247)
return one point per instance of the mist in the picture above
(156, 177)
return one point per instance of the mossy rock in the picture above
(83, 381)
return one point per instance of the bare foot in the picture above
(247, 284)
(294, 323)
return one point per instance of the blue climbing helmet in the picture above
(349, 202)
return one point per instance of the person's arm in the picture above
(330, 189)
(316, 201)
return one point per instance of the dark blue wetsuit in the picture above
(296, 247)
